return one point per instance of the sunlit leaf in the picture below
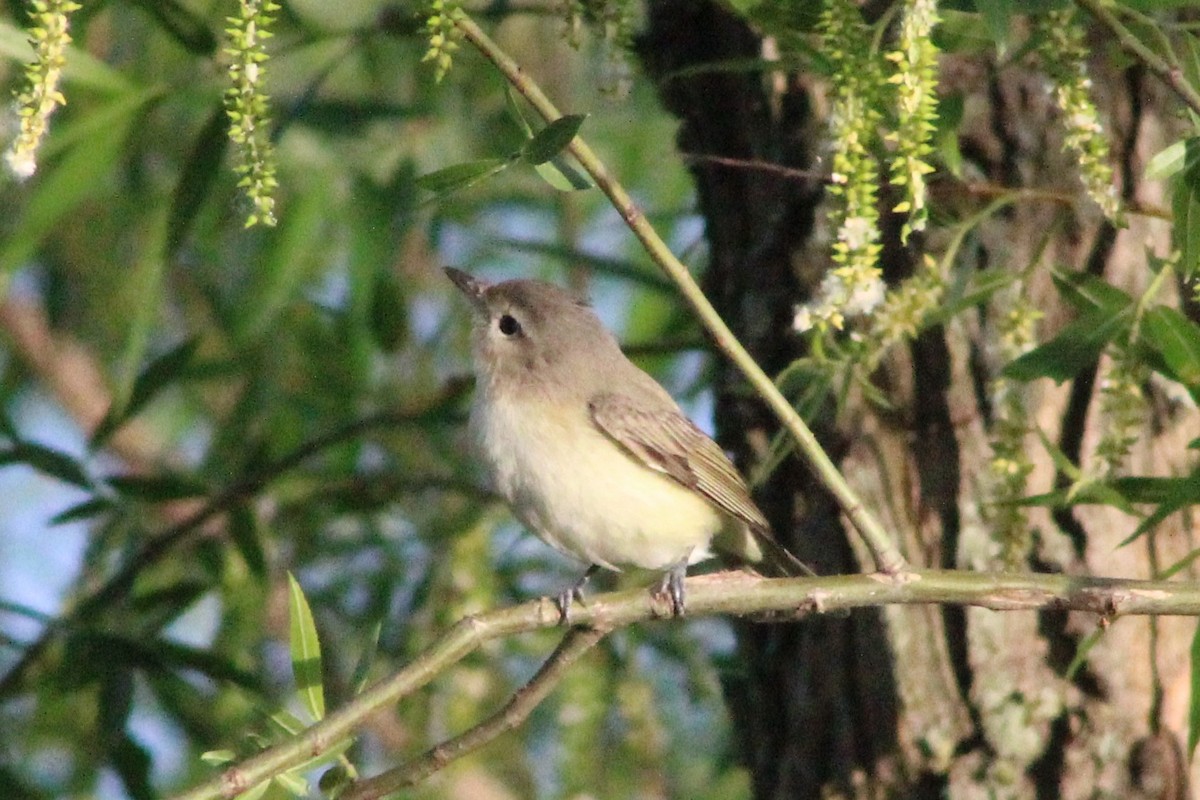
(306, 651)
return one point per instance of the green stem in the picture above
(887, 558)
(1169, 71)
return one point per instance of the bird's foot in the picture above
(672, 586)
(573, 593)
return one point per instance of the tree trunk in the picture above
(927, 701)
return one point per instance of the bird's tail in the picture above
(757, 548)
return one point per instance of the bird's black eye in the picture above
(509, 325)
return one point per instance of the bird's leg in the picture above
(672, 584)
(572, 593)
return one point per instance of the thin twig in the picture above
(737, 593)
(159, 546)
(758, 166)
(883, 550)
(1170, 73)
(577, 642)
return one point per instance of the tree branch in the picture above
(737, 593)
(883, 550)
(577, 642)
(1170, 72)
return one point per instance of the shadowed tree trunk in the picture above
(925, 702)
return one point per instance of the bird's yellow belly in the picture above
(582, 494)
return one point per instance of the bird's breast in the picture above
(581, 493)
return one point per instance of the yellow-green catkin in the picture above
(915, 79)
(248, 107)
(442, 31)
(1122, 410)
(1064, 55)
(854, 286)
(1010, 464)
(40, 96)
(904, 309)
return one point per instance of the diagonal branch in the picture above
(737, 593)
(887, 557)
(577, 642)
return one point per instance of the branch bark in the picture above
(737, 593)
(577, 642)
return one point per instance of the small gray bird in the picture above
(592, 454)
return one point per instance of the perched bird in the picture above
(592, 454)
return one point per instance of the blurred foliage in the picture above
(291, 400)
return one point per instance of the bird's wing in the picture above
(667, 441)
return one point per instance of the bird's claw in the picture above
(573, 593)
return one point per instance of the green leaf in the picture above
(513, 104)
(162, 488)
(88, 509)
(1076, 347)
(182, 24)
(306, 651)
(82, 68)
(461, 176)
(552, 139)
(160, 373)
(1177, 340)
(1166, 162)
(1081, 652)
(1185, 206)
(562, 174)
(1158, 491)
(132, 762)
(1179, 566)
(1087, 293)
(76, 176)
(255, 792)
(198, 177)
(293, 251)
(996, 16)
(388, 313)
(48, 461)
(217, 758)
(1194, 703)
(978, 290)
(362, 670)
(243, 530)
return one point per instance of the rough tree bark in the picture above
(925, 702)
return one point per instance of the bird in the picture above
(592, 454)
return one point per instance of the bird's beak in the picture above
(469, 285)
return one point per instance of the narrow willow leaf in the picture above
(552, 139)
(1081, 652)
(363, 669)
(1194, 709)
(563, 175)
(460, 176)
(1177, 340)
(306, 651)
(243, 530)
(1076, 347)
(48, 461)
(88, 509)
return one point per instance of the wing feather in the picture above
(667, 441)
